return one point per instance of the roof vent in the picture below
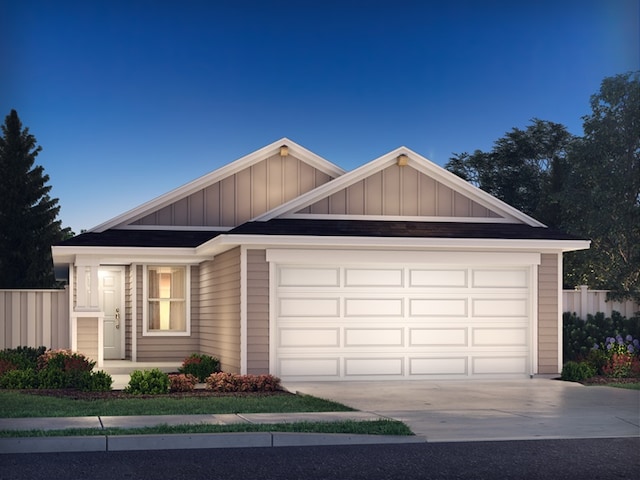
(403, 160)
(284, 151)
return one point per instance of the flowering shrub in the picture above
(182, 382)
(28, 367)
(200, 366)
(230, 382)
(620, 356)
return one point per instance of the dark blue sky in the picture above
(132, 99)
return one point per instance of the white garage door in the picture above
(401, 321)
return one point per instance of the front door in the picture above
(112, 304)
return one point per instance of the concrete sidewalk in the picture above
(183, 441)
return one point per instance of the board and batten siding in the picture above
(399, 191)
(34, 318)
(220, 309)
(241, 196)
(165, 348)
(257, 312)
(548, 314)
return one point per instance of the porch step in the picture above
(122, 367)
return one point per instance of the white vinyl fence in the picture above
(583, 302)
(34, 318)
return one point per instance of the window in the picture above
(167, 305)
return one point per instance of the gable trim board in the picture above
(392, 294)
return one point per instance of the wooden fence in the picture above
(34, 318)
(583, 302)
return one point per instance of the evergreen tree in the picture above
(28, 225)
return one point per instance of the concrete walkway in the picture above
(182, 441)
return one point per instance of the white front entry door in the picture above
(112, 304)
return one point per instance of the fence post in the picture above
(584, 301)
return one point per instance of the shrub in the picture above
(7, 366)
(229, 382)
(22, 357)
(576, 372)
(148, 382)
(620, 356)
(200, 366)
(15, 379)
(579, 335)
(65, 360)
(100, 382)
(182, 382)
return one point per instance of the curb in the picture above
(119, 443)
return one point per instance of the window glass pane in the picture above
(166, 299)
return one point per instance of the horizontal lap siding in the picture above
(88, 337)
(548, 308)
(164, 348)
(220, 309)
(257, 312)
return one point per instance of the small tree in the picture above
(28, 225)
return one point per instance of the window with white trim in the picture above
(167, 300)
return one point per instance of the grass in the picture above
(16, 404)
(371, 427)
(630, 386)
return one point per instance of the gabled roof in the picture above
(217, 175)
(506, 212)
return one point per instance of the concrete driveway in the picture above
(467, 410)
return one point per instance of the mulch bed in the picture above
(119, 394)
(600, 380)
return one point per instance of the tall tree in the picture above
(28, 225)
(602, 195)
(525, 168)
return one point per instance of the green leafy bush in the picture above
(100, 382)
(182, 382)
(620, 357)
(148, 382)
(577, 371)
(22, 357)
(230, 382)
(19, 379)
(579, 336)
(200, 366)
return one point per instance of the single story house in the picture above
(281, 262)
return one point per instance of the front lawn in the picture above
(17, 403)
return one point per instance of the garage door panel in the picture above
(367, 337)
(309, 307)
(373, 366)
(438, 337)
(373, 307)
(499, 307)
(434, 307)
(367, 277)
(438, 366)
(309, 367)
(437, 278)
(309, 337)
(308, 277)
(499, 365)
(500, 278)
(499, 337)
